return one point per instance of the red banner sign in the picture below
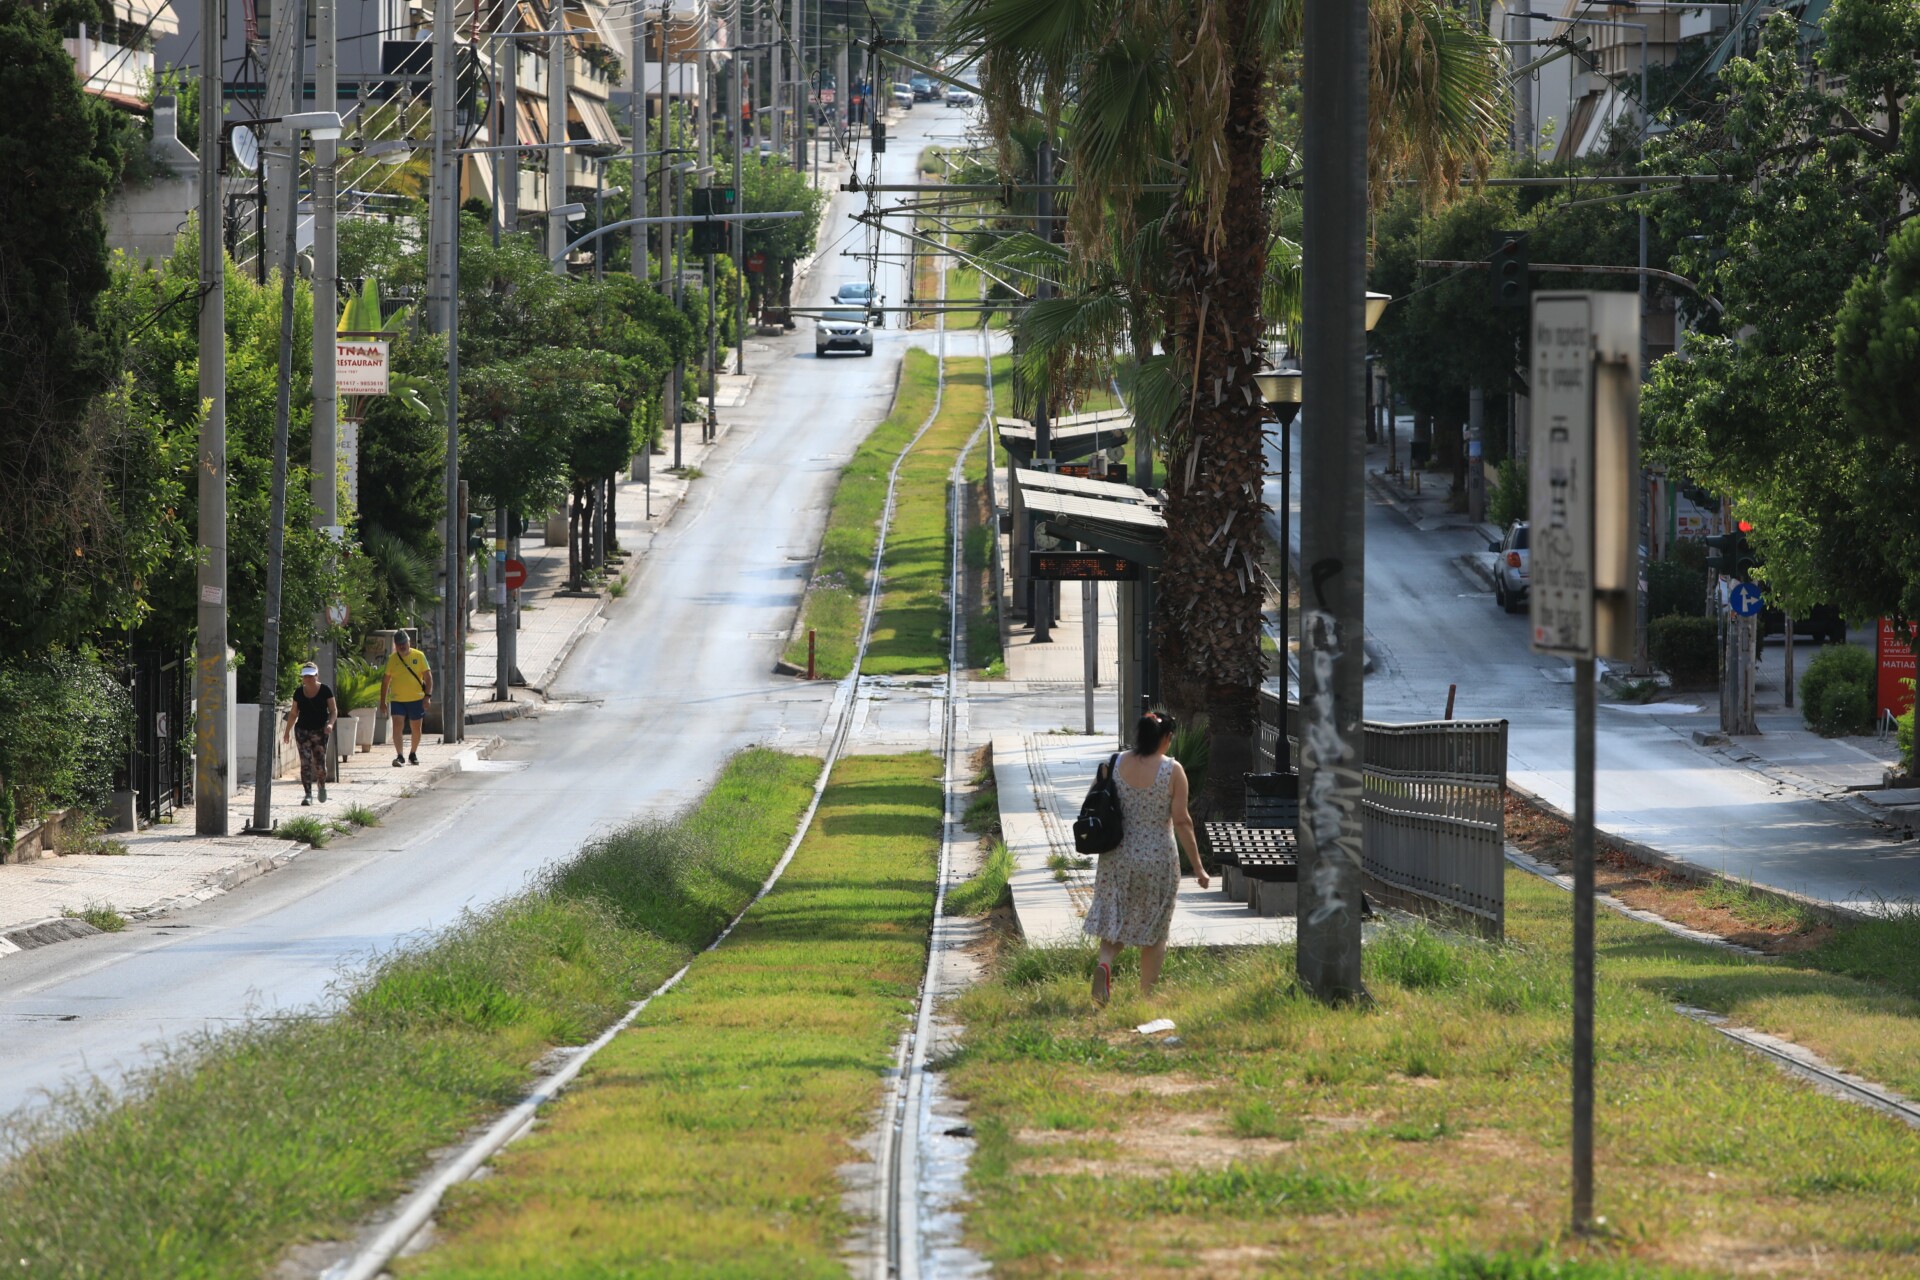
(1894, 662)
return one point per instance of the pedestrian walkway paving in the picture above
(169, 865)
(1042, 779)
(1063, 657)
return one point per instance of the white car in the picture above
(843, 331)
(958, 97)
(903, 96)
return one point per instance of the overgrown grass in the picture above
(987, 889)
(705, 1142)
(360, 815)
(306, 829)
(911, 627)
(103, 918)
(834, 599)
(1885, 951)
(1436, 1119)
(1765, 910)
(234, 1144)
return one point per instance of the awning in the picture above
(479, 178)
(137, 13)
(591, 18)
(1067, 443)
(1071, 419)
(1123, 528)
(592, 113)
(1108, 490)
(533, 119)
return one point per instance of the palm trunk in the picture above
(1211, 587)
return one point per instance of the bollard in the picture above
(809, 653)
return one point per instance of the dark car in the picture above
(1824, 624)
(924, 90)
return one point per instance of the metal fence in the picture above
(1434, 805)
(159, 767)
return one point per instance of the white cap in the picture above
(308, 669)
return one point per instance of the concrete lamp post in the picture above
(1281, 389)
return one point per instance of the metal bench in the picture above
(1260, 849)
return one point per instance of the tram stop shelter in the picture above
(1057, 520)
(1070, 438)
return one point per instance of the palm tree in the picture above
(1147, 90)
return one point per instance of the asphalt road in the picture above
(1431, 624)
(651, 706)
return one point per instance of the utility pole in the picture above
(280, 148)
(277, 508)
(506, 171)
(1040, 610)
(776, 85)
(739, 231)
(638, 115)
(213, 711)
(798, 97)
(1333, 468)
(442, 315)
(325, 443)
(556, 138)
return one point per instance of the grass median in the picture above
(706, 1140)
(910, 626)
(1427, 1135)
(236, 1144)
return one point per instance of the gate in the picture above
(1434, 806)
(159, 768)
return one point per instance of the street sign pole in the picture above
(1583, 464)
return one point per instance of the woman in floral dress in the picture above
(1134, 887)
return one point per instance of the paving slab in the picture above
(1042, 779)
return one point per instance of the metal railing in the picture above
(1434, 806)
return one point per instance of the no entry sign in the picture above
(514, 574)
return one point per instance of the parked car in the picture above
(1512, 570)
(958, 97)
(903, 96)
(842, 330)
(1824, 624)
(924, 90)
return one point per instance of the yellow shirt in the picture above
(406, 676)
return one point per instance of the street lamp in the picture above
(1281, 389)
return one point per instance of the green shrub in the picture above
(1507, 500)
(1903, 733)
(1687, 649)
(356, 685)
(1836, 693)
(1675, 590)
(65, 722)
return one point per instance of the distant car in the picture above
(1512, 570)
(843, 331)
(1823, 624)
(924, 90)
(854, 291)
(903, 96)
(958, 97)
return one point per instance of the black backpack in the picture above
(1097, 829)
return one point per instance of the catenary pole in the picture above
(213, 712)
(556, 138)
(443, 227)
(1332, 464)
(280, 149)
(324, 457)
(738, 130)
(506, 179)
(637, 198)
(277, 512)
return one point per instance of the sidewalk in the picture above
(1042, 779)
(170, 866)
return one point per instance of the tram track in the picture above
(416, 1211)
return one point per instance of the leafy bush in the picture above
(1675, 589)
(356, 685)
(1903, 733)
(1507, 500)
(1687, 649)
(1836, 693)
(65, 723)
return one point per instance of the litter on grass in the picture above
(1155, 1027)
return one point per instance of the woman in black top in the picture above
(310, 720)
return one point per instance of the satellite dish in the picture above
(246, 149)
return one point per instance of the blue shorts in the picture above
(415, 710)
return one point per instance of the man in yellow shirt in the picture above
(407, 687)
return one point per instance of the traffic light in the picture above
(1730, 554)
(1507, 274)
(476, 539)
(711, 237)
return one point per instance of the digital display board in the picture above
(1082, 566)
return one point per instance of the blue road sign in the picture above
(1744, 599)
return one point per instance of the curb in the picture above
(44, 932)
(1692, 871)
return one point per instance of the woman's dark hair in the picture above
(1153, 726)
